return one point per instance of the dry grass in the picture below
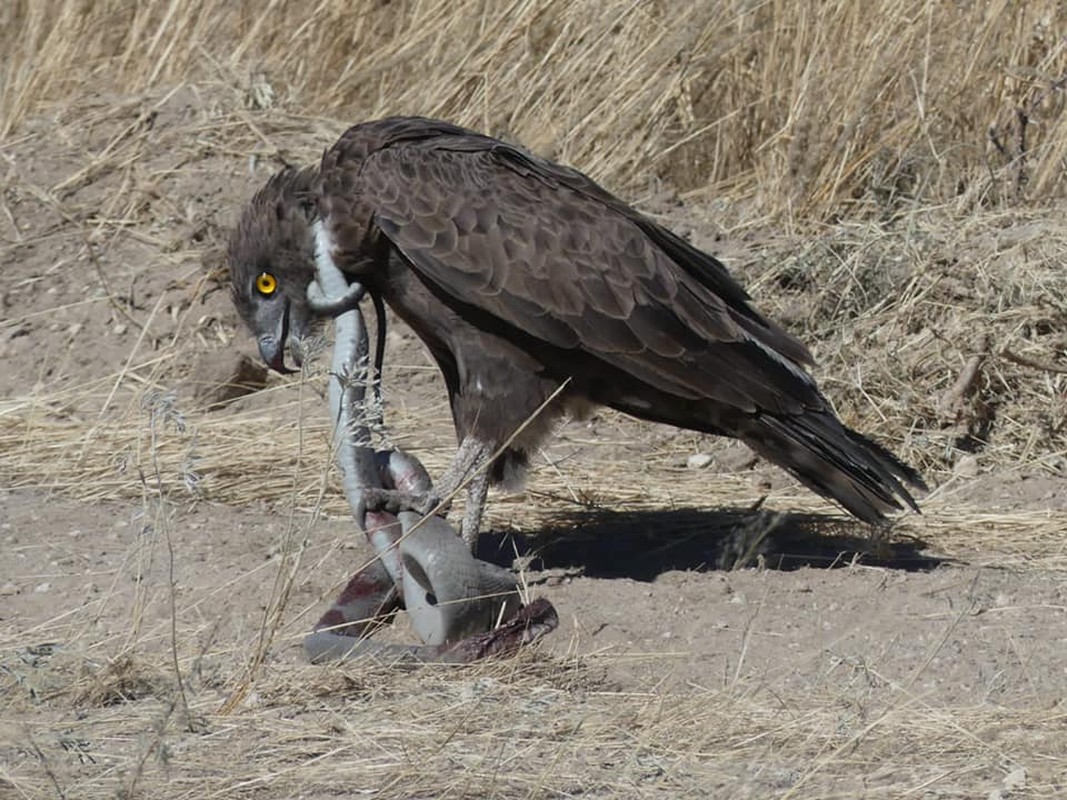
(811, 112)
(522, 729)
(889, 170)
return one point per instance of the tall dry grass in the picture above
(812, 109)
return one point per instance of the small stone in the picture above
(8, 589)
(966, 466)
(42, 588)
(119, 329)
(698, 461)
(1016, 779)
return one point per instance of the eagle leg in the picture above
(477, 491)
(468, 467)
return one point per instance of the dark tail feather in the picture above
(836, 462)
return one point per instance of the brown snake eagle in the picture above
(522, 276)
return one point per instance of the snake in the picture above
(454, 600)
(463, 608)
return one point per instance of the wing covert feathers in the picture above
(543, 253)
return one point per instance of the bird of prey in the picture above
(522, 276)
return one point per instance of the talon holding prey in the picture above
(522, 276)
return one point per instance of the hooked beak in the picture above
(273, 355)
(272, 345)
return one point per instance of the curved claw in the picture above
(328, 306)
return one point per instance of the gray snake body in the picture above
(449, 595)
(453, 599)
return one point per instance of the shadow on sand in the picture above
(643, 544)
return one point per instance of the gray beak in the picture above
(273, 354)
(274, 319)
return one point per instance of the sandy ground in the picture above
(695, 657)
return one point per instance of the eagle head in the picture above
(271, 256)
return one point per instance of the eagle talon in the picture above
(321, 303)
(393, 501)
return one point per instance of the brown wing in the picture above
(545, 250)
(544, 257)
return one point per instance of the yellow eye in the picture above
(266, 284)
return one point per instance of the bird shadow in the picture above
(641, 545)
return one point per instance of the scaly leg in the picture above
(477, 491)
(471, 456)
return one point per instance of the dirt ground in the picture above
(708, 646)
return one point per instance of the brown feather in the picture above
(274, 236)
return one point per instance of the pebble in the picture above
(966, 466)
(41, 588)
(698, 461)
(8, 589)
(1015, 780)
